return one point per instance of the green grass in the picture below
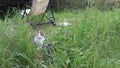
(92, 41)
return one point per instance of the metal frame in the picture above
(51, 19)
(23, 4)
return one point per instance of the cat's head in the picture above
(39, 34)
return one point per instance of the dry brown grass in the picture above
(110, 3)
(80, 4)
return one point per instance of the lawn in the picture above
(91, 41)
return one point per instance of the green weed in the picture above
(92, 41)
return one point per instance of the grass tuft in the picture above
(92, 41)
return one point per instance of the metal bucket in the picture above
(35, 6)
(38, 7)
